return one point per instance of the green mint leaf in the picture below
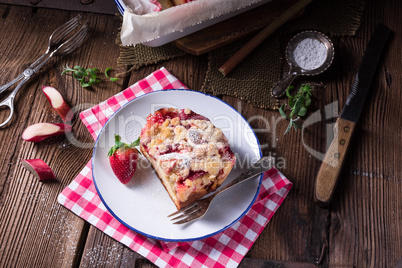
(296, 108)
(79, 75)
(288, 128)
(306, 88)
(298, 104)
(307, 101)
(288, 91)
(67, 69)
(282, 112)
(113, 79)
(107, 70)
(302, 112)
(94, 81)
(87, 77)
(84, 83)
(80, 69)
(92, 73)
(291, 102)
(295, 126)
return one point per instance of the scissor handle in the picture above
(9, 102)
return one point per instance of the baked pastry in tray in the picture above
(189, 154)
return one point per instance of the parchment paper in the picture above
(139, 26)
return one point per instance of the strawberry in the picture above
(123, 159)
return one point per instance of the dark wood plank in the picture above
(102, 251)
(297, 230)
(35, 229)
(367, 210)
(259, 263)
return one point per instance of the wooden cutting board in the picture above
(234, 28)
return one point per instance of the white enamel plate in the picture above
(143, 204)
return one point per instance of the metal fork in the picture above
(198, 209)
(56, 47)
(55, 39)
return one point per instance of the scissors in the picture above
(58, 45)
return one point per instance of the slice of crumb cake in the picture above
(189, 154)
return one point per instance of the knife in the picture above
(328, 174)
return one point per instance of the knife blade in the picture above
(329, 172)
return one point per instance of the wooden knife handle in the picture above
(330, 169)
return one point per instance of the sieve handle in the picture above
(280, 88)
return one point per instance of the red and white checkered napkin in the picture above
(225, 249)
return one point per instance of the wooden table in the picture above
(362, 227)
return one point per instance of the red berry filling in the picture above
(194, 174)
(226, 153)
(191, 115)
(171, 149)
(156, 118)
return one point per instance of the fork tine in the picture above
(74, 41)
(55, 39)
(63, 30)
(65, 48)
(187, 213)
(182, 210)
(183, 221)
(178, 217)
(196, 215)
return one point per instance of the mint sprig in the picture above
(297, 104)
(87, 77)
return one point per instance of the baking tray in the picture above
(162, 40)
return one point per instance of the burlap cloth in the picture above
(253, 78)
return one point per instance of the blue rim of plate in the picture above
(161, 238)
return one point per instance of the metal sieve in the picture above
(294, 69)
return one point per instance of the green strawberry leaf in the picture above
(119, 144)
(135, 143)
